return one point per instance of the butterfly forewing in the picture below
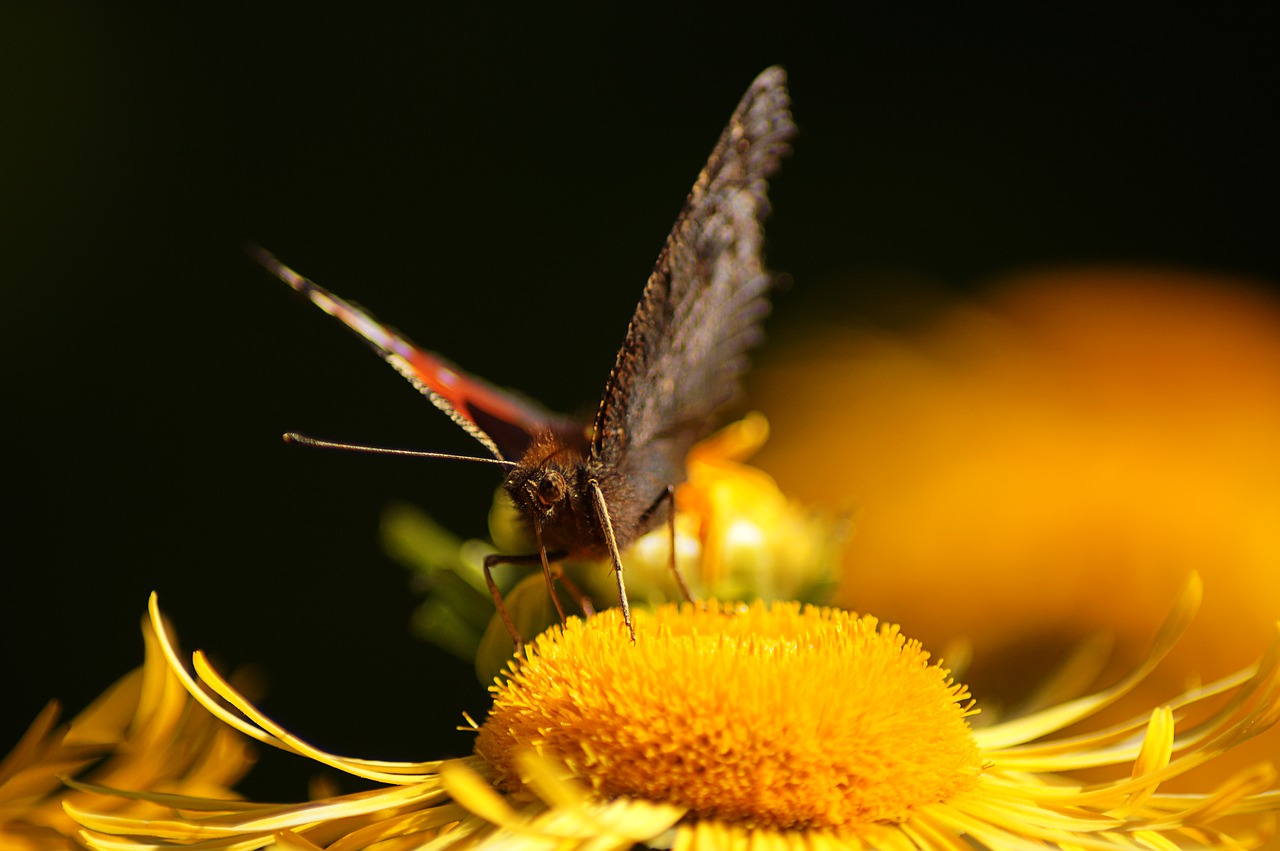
(505, 422)
(686, 348)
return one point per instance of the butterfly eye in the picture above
(551, 489)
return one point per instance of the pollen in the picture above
(770, 716)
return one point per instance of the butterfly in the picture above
(587, 492)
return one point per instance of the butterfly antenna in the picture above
(316, 443)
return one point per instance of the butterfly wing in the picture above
(503, 421)
(686, 348)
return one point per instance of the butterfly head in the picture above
(549, 488)
(545, 479)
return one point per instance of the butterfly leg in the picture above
(583, 601)
(494, 559)
(606, 527)
(668, 496)
(556, 574)
(546, 572)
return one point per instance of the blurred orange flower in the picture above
(1050, 463)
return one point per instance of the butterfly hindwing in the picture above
(504, 422)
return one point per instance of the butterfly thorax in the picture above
(551, 488)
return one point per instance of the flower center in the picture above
(773, 716)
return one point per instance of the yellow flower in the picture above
(143, 732)
(728, 711)
(762, 726)
(1011, 456)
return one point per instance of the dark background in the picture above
(497, 187)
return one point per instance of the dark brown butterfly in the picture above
(588, 493)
